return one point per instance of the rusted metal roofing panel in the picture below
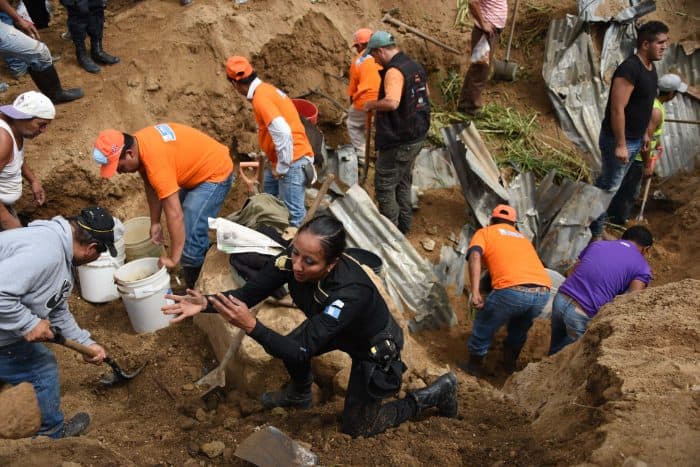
(410, 278)
(477, 171)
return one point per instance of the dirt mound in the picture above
(630, 386)
(61, 452)
(19, 410)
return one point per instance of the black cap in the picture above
(99, 223)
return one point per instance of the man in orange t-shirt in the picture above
(186, 174)
(520, 288)
(281, 136)
(363, 87)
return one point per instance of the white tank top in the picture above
(11, 174)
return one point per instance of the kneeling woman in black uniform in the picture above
(346, 312)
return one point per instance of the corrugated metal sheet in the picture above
(433, 169)
(476, 169)
(521, 193)
(614, 10)
(410, 278)
(450, 269)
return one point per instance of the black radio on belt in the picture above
(383, 352)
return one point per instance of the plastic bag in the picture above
(480, 53)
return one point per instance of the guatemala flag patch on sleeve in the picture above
(334, 309)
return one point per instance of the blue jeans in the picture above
(290, 189)
(15, 43)
(16, 66)
(198, 205)
(612, 171)
(515, 307)
(34, 363)
(568, 325)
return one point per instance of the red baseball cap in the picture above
(108, 148)
(505, 212)
(238, 68)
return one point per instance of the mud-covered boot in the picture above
(441, 394)
(48, 82)
(289, 396)
(76, 425)
(510, 358)
(84, 59)
(99, 55)
(474, 366)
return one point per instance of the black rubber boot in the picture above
(48, 83)
(441, 394)
(474, 366)
(84, 59)
(76, 425)
(99, 55)
(289, 396)
(191, 274)
(510, 358)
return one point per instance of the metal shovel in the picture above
(505, 70)
(117, 376)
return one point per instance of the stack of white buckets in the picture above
(140, 283)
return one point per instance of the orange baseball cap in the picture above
(238, 67)
(505, 212)
(108, 148)
(361, 36)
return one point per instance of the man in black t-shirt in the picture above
(627, 113)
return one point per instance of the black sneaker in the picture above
(76, 425)
(288, 396)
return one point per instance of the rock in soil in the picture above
(213, 449)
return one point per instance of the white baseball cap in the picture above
(30, 104)
(670, 82)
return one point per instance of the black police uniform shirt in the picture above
(344, 310)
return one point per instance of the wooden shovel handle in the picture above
(319, 197)
(71, 344)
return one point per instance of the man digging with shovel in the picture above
(36, 264)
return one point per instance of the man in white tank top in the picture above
(26, 118)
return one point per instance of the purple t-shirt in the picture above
(605, 270)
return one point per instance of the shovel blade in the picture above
(118, 375)
(269, 447)
(212, 380)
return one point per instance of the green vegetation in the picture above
(462, 13)
(514, 138)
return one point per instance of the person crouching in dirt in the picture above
(186, 174)
(26, 118)
(36, 281)
(345, 311)
(520, 288)
(604, 270)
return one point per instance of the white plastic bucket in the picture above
(142, 286)
(97, 278)
(137, 239)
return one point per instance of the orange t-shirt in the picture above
(174, 156)
(393, 84)
(270, 103)
(509, 256)
(364, 80)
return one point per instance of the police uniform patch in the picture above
(283, 263)
(334, 309)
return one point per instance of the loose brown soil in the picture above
(172, 70)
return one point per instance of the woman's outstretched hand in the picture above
(185, 305)
(234, 311)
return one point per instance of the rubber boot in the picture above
(99, 55)
(191, 274)
(185, 2)
(48, 83)
(84, 60)
(510, 358)
(76, 425)
(441, 394)
(291, 395)
(474, 366)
